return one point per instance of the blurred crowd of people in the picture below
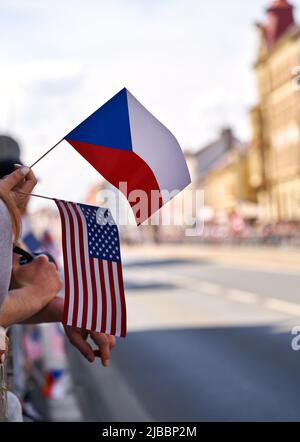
(242, 233)
(252, 234)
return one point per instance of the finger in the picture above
(98, 354)
(30, 180)
(29, 183)
(112, 341)
(40, 259)
(85, 349)
(14, 178)
(101, 340)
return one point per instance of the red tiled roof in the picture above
(280, 18)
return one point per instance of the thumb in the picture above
(41, 258)
(11, 180)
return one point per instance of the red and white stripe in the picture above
(94, 291)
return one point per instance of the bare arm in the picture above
(53, 312)
(18, 305)
(34, 286)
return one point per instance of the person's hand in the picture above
(105, 344)
(40, 274)
(21, 180)
(53, 312)
(34, 286)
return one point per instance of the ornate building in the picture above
(223, 174)
(275, 147)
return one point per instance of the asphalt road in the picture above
(206, 342)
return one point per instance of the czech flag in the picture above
(128, 145)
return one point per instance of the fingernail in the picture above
(24, 170)
(17, 166)
(106, 363)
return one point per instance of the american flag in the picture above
(94, 291)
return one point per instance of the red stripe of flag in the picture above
(122, 299)
(113, 299)
(82, 267)
(95, 298)
(66, 267)
(73, 259)
(104, 302)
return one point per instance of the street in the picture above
(207, 341)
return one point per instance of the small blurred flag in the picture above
(57, 341)
(32, 342)
(94, 292)
(53, 386)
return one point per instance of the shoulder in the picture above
(5, 250)
(5, 221)
(5, 227)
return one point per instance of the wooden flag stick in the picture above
(46, 153)
(34, 194)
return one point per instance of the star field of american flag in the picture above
(103, 237)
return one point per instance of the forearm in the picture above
(19, 305)
(53, 312)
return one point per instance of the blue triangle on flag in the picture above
(109, 126)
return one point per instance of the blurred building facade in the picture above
(274, 156)
(253, 186)
(222, 172)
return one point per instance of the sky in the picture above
(188, 61)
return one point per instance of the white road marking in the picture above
(241, 296)
(261, 269)
(208, 288)
(278, 305)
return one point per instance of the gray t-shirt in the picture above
(5, 251)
